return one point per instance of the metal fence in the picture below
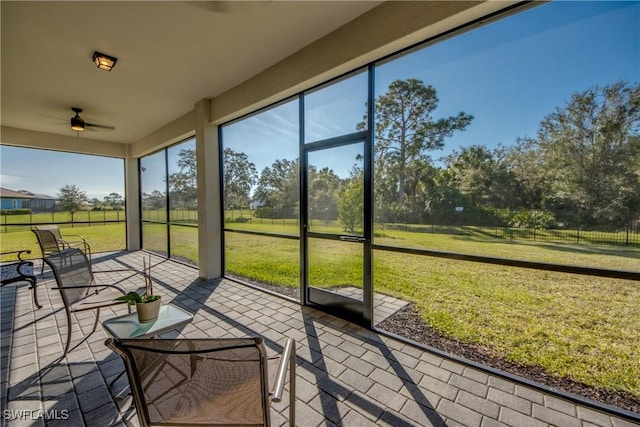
(589, 232)
(627, 237)
(82, 218)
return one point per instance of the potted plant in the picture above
(147, 305)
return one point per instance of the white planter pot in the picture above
(148, 311)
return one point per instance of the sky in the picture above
(45, 172)
(508, 74)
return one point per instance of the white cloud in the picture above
(10, 181)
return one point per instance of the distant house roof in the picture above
(44, 197)
(10, 194)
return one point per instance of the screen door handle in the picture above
(352, 239)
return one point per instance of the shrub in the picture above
(264, 212)
(532, 219)
(239, 220)
(15, 211)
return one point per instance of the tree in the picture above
(240, 176)
(155, 200)
(351, 202)
(71, 199)
(323, 193)
(114, 200)
(183, 186)
(483, 176)
(590, 148)
(405, 131)
(442, 197)
(525, 164)
(277, 188)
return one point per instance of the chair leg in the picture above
(33, 281)
(95, 324)
(66, 348)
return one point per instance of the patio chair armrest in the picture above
(19, 252)
(287, 360)
(25, 264)
(81, 237)
(71, 243)
(97, 287)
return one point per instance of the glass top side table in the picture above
(124, 327)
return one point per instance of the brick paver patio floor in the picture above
(346, 376)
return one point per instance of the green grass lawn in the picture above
(101, 238)
(590, 255)
(584, 328)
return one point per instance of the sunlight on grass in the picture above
(334, 264)
(590, 255)
(269, 260)
(184, 243)
(585, 328)
(154, 237)
(102, 238)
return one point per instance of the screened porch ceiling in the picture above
(171, 55)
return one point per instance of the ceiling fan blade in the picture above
(99, 126)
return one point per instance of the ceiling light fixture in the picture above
(77, 123)
(104, 62)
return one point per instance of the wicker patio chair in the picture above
(50, 240)
(206, 382)
(19, 271)
(77, 286)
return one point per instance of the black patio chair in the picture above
(78, 288)
(19, 271)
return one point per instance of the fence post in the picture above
(628, 228)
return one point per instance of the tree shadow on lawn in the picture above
(619, 251)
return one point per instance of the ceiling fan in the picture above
(78, 124)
